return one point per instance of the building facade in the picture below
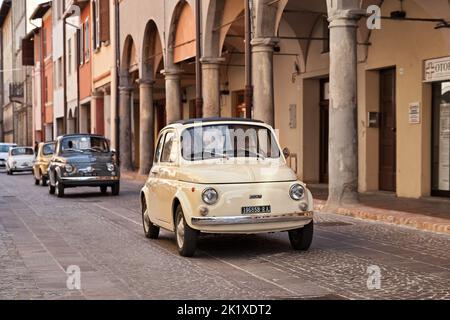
(398, 142)
(42, 73)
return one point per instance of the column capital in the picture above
(145, 82)
(264, 44)
(212, 60)
(172, 73)
(345, 17)
(125, 89)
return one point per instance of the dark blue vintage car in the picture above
(83, 160)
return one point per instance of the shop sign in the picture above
(437, 69)
(414, 113)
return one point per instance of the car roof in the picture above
(80, 135)
(215, 119)
(14, 148)
(8, 144)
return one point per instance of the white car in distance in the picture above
(20, 159)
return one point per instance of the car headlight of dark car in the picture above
(111, 167)
(69, 168)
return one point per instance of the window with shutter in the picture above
(27, 52)
(104, 21)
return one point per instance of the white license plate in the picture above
(256, 210)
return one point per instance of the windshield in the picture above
(84, 144)
(228, 141)
(48, 149)
(22, 152)
(4, 148)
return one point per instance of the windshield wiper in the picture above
(213, 155)
(74, 150)
(257, 154)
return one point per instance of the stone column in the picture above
(173, 94)
(262, 70)
(125, 93)
(343, 146)
(211, 87)
(96, 96)
(147, 126)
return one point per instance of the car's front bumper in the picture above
(89, 181)
(21, 169)
(302, 218)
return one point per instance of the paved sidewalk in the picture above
(430, 214)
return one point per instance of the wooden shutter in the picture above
(104, 20)
(27, 52)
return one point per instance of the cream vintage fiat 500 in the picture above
(224, 176)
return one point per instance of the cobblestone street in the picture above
(41, 235)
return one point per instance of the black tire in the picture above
(43, 181)
(51, 189)
(115, 188)
(59, 188)
(150, 230)
(36, 182)
(186, 237)
(104, 189)
(301, 239)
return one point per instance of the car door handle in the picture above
(154, 172)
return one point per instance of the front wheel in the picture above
(36, 182)
(103, 189)
(115, 189)
(301, 239)
(51, 189)
(186, 236)
(59, 189)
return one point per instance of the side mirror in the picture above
(113, 151)
(286, 152)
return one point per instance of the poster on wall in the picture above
(444, 148)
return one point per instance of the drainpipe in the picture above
(77, 129)
(65, 75)
(117, 118)
(248, 62)
(198, 66)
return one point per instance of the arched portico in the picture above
(129, 63)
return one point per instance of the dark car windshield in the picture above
(5, 148)
(48, 149)
(22, 152)
(228, 141)
(84, 144)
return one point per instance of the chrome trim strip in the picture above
(251, 219)
(88, 179)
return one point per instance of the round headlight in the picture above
(210, 196)
(69, 168)
(110, 167)
(297, 192)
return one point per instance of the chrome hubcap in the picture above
(180, 232)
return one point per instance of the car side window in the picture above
(168, 154)
(159, 148)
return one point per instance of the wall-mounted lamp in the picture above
(224, 90)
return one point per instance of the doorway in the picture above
(388, 131)
(324, 130)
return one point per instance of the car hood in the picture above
(89, 158)
(241, 173)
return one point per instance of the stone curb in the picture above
(400, 218)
